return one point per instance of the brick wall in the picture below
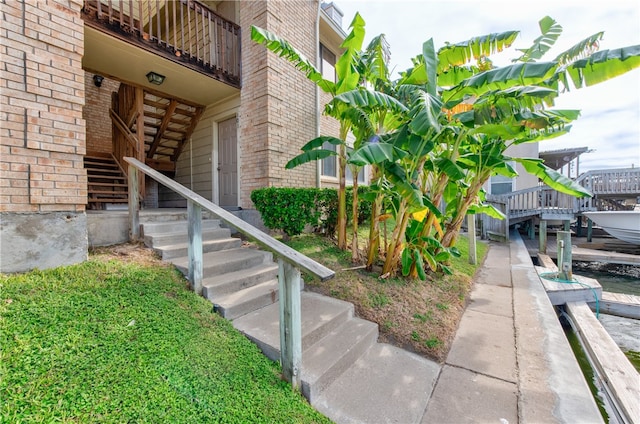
(96, 113)
(42, 135)
(277, 113)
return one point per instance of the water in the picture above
(612, 277)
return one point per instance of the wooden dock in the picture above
(585, 289)
(619, 304)
(582, 254)
(614, 371)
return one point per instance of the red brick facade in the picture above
(96, 113)
(42, 139)
(278, 103)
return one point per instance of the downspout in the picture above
(317, 92)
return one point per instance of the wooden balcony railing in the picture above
(185, 31)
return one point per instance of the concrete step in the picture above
(181, 237)
(327, 359)
(320, 316)
(237, 304)
(387, 384)
(178, 225)
(219, 285)
(224, 261)
(172, 251)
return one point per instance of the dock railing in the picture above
(290, 261)
(548, 204)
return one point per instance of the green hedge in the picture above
(292, 209)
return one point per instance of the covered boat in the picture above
(623, 225)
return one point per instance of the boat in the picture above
(623, 225)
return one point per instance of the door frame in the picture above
(215, 180)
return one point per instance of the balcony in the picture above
(183, 31)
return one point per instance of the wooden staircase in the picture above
(106, 183)
(151, 127)
(148, 126)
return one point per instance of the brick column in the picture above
(277, 112)
(42, 140)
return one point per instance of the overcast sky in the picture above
(610, 120)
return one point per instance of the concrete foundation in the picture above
(42, 240)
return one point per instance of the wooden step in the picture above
(107, 184)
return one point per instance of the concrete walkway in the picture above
(510, 361)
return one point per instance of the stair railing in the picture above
(290, 261)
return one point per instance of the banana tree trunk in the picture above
(374, 232)
(397, 240)
(355, 249)
(342, 198)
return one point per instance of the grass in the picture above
(421, 316)
(109, 341)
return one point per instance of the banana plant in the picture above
(347, 79)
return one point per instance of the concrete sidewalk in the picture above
(510, 361)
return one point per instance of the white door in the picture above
(228, 162)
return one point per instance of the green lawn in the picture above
(106, 341)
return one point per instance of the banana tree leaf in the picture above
(552, 178)
(518, 74)
(282, 48)
(462, 53)
(604, 65)
(454, 76)
(413, 196)
(415, 76)
(373, 153)
(364, 98)
(550, 31)
(426, 114)
(506, 131)
(419, 146)
(443, 256)
(309, 156)
(375, 59)
(486, 209)
(450, 168)
(431, 62)
(348, 77)
(428, 257)
(406, 260)
(319, 142)
(546, 133)
(505, 169)
(580, 50)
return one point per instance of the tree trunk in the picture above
(397, 240)
(355, 250)
(342, 198)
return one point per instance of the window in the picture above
(330, 164)
(499, 184)
(349, 176)
(330, 167)
(327, 64)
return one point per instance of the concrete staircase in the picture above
(345, 373)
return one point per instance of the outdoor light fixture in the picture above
(97, 80)
(154, 78)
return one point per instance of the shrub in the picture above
(292, 209)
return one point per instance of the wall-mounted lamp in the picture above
(97, 80)
(154, 78)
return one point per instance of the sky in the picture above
(610, 112)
